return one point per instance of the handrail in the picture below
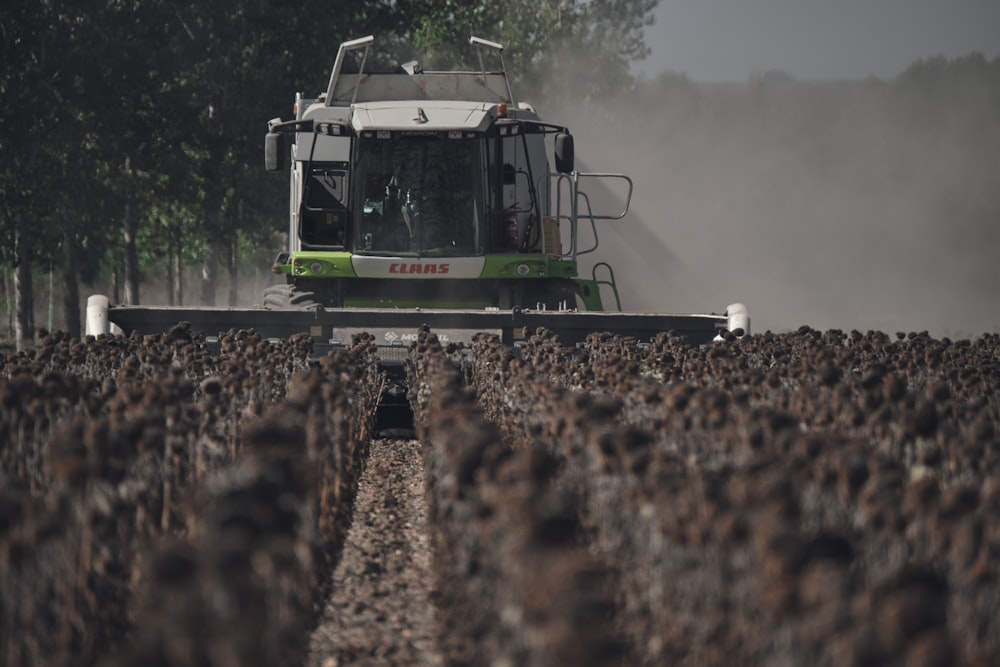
(575, 196)
(610, 282)
(628, 197)
(593, 225)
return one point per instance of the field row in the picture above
(809, 498)
(162, 505)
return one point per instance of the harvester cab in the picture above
(422, 189)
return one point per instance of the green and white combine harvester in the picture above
(427, 198)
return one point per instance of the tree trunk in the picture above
(130, 231)
(71, 286)
(209, 268)
(178, 261)
(8, 295)
(175, 264)
(116, 283)
(24, 300)
(170, 264)
(214, 216)
(233, 269)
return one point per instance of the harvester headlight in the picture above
(455, 134)
(316, 267)
(330, 129)
(523, 269)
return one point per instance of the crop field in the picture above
(821, 498)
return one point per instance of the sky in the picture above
(728, 40)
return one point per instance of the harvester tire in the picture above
(286, 296)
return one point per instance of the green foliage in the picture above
(553, 48)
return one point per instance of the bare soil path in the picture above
(381, 610)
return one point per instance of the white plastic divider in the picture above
(97, 317)
(738, 316)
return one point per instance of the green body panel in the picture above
(325, 264)
(332, 264)
(590, 293)
(337, 264)
(527, 266)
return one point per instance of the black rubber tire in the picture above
(286, 296)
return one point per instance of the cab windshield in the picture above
(419, 195)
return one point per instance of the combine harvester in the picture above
(426, 198)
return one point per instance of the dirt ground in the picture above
(381, 610)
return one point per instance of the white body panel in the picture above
(327, 148)
(412, 267)
(416, 115)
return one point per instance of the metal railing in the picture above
(572, 204)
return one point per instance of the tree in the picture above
(39, 104)
(236, 66)
(552, 47)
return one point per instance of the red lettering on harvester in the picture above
(423, 269)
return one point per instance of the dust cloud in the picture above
(855, 205)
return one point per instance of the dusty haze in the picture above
(845, 206)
